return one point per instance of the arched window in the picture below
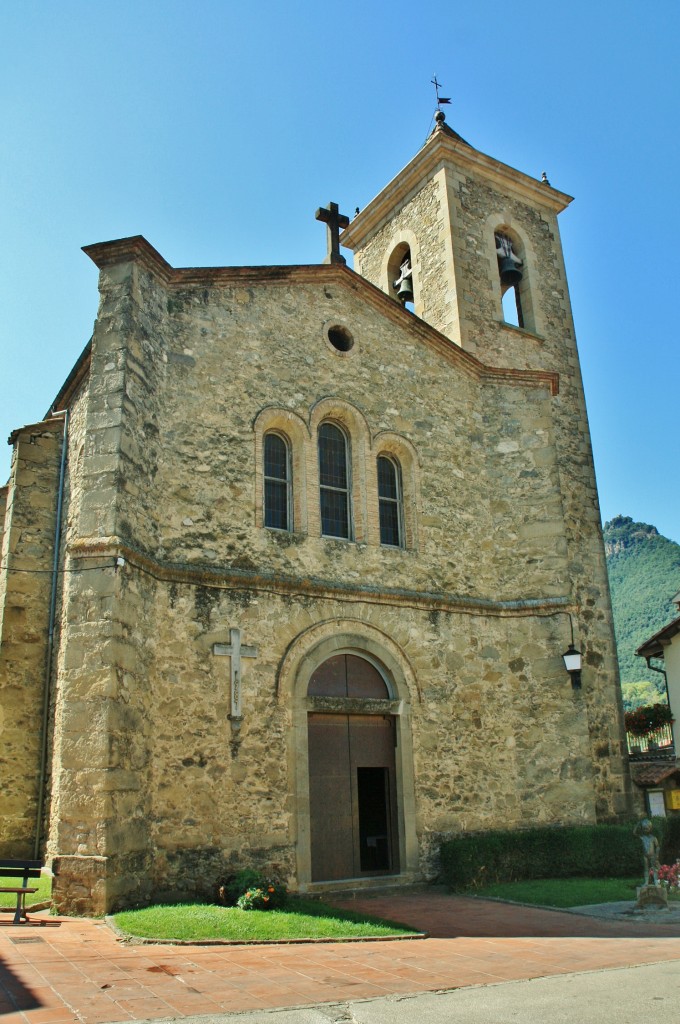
(334, 484)
(277, 483)
(390, 502)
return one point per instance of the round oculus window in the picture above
(340, 338)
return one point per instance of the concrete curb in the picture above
(143, 941)
(604, 911)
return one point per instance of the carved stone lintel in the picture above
(354, 705)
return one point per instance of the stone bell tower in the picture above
(482, 242)
(484, 249)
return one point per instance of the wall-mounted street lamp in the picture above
(572, 663)
(572, 660)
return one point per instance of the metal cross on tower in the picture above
(440, 99)
(334, 220)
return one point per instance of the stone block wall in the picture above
(27, 553)
(499, 739)
(154, 791)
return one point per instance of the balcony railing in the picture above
(656, 744)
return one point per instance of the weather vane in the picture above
(440, 99)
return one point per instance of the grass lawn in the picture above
(301, 919)
(564, 892)
(44, 893)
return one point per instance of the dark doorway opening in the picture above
(373, 798)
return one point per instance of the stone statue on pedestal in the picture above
(650, 847)
(654, 895)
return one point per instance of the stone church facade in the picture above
(309, 560)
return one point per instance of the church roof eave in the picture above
(440, 146)
(70, 386)
(137, 249)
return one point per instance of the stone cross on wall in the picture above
(235, 650)
(334, 220)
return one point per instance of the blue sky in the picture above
(215, 129)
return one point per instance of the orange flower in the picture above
(270, 889)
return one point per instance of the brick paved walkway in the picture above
(67, 970)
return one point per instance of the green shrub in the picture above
(251, 890)
(668, 835)
(266, 896)
(229, 889)
(485, 858)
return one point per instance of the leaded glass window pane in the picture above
(333, 479)
(389, 502)
(334, 517)
(275, 457)
(332, 457)
(276, 482)
(387, 479)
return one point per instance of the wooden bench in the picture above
(24, 869)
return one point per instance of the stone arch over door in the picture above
(337, 639)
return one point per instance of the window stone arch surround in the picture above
(353, 423)
(310, 649)
(505, 223)
(363, 449)
(400, 448)
(295, 431)
(401, 240)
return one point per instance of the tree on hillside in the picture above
(644, 576)
(636, 695)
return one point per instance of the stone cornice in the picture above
(228, 578)
(49, 423)
(138, 250)
(134, 249)
(439, 149)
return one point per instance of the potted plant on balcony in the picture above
(648, 719)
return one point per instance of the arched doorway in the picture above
(352, 736)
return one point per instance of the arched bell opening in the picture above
(400, 276)
(353, 799)
(511, 273)
(514, 273)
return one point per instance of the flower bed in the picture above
(669, 876)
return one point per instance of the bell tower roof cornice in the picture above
(444, 146)
(445, 129)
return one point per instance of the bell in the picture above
(405, 292)
(509, 271)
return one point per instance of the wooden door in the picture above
(330, 797)
(352, 779)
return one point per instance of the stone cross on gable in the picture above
(235, 650)
(334, 220)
